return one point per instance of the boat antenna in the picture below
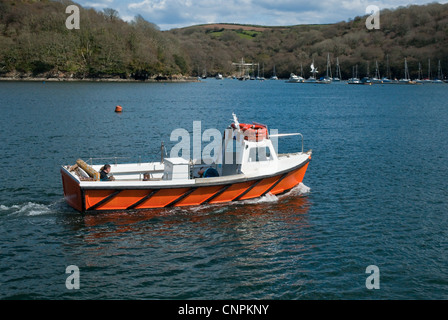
(235, 120)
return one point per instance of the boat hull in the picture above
(124, 198)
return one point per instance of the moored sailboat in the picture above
(376, 78)
(419, 74)
(328, 78)
(428, 79)
(439, 78)
(387, 79)
(354, 79)
(338, 76)
(407, 78)
(274, 75)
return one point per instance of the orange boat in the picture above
(251, 169)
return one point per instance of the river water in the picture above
(375, 194)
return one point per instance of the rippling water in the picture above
(374, 194)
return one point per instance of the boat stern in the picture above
(72, 190)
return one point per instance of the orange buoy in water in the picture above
(118, 109)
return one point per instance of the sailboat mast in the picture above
(405, 69)
(387, 67)
(377, 71)
(338, 69)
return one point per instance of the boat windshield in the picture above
(260, 154)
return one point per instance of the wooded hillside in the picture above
(417, 33)
(34, 41)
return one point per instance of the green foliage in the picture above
(418, 33)
(181, 63)
(242, 34)
(34, 40)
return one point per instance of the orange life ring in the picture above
(253, 132)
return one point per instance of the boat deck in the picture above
(132, 175)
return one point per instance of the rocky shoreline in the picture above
(157, 79)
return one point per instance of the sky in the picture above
(170, 14)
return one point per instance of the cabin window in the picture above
(259, 154)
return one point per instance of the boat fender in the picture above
(88, 169)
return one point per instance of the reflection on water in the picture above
(249, 246)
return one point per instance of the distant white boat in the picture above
(407, 78)
(295, 78)
(218, 76)
(354, 81)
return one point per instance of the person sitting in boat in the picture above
(104, 171)
(208, 172)
(146, 177)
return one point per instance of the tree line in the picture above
(35, 41)
(418, 33)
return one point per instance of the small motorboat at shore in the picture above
(251, 168)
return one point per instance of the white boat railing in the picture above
(287, 135)
(90, 160)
